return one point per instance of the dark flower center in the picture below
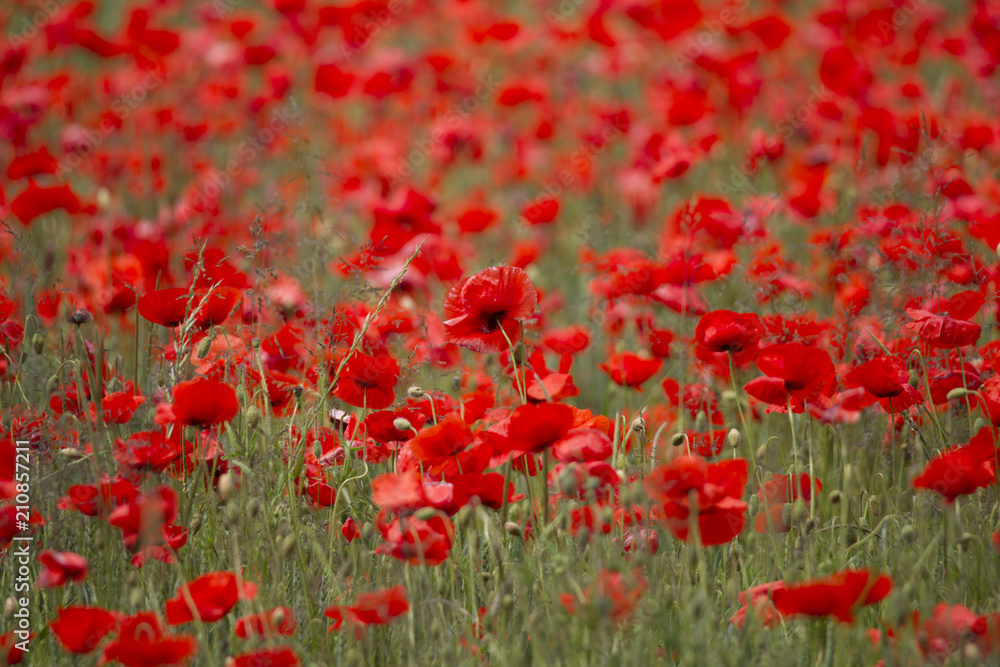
(493, 321)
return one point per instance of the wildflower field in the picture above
(444, 332)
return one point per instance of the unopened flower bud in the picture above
(416, 391)
(287, 545)
(402, 424)
(513, 529)
(957, 392)
(679, 439)
(253, 416)
(914, 379)
(518, 354)
(204, 346)
(38, 343)
(836, 497)
(425, 513)
(79, 317)
(227, 486)
(638, 426)
(735, 438)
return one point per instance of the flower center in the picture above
(493, 321)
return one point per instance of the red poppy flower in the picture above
(613, 595)
(118, 407)
(725, 332)
(35, 201)
(416, 541)
(630, 370)
(171, 306)
(60, 567)
(98, 499)
(275, 656)
(213, 594)
(399, 493)
(81, 629)
(367, 382)
(776, 493)
(886, 381)
(350, 529)
(380, 425)
(838, 595)
(942, 332)
(582, 444)
(446, 438)
(145, 520)
(143, 641)
(277, 621)
(533, 428)
(375, 608)
(961, 470)
(481, 309)
(717, 492)
(199, 402)
(794, 372)
(9, 649)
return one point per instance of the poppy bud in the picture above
(513, 529)
(518, 354)
(136, 597)
(70, 453)
(957, 392)
(195, 524)
(254, 508)
(735, 438)
(456, 383)
(978, 425)
(728, 397)
(700, 421)
(8, 608)
(368, 530)
(103, 199)
(277, 616)
(37, 343)
(233, 513)
(253, 416)
(425, 513)
(836, 497)
(52, 386)
(402, 424)
(416, 391)
(786, 514)
(678, 439)
(914, 380)
(287, 545)
(638, 426)
(227, 486)
(761, 452)
(507, 602)
(972, 653)
(204, 346)
(964, 539)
